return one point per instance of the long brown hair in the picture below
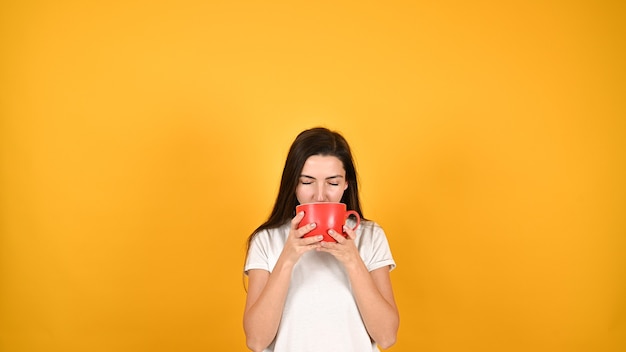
(315, 141)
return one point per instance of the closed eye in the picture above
(306, 180)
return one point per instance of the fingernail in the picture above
(319, 237)
(313, 224)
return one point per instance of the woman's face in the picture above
(323, 179)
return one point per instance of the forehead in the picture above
(326, 165)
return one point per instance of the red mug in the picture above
(326, 215)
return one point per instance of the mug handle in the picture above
(358, 218)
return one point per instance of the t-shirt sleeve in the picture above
(258, 256)
(380, 251)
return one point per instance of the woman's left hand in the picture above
(344, 249)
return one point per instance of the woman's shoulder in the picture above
(371, 230)
(370, 225)
(267, 234)
(372, 243)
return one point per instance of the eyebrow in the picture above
(327, 178)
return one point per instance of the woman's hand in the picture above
(296, 245)
(344, 250)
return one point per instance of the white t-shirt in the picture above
(320, 313)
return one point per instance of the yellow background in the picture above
(141, 142)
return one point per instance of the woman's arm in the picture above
(372, 290)
(267, 291)
(374, 297)
(264, 305)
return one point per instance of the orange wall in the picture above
(140, 143)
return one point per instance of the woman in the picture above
(309, 295)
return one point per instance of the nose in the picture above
(319, 196)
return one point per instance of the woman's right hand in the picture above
(296, 245)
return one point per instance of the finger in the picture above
(331, 247)
(338, 237)
(305, 229)
(350, 232)
(312, 240)
(296, 220)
